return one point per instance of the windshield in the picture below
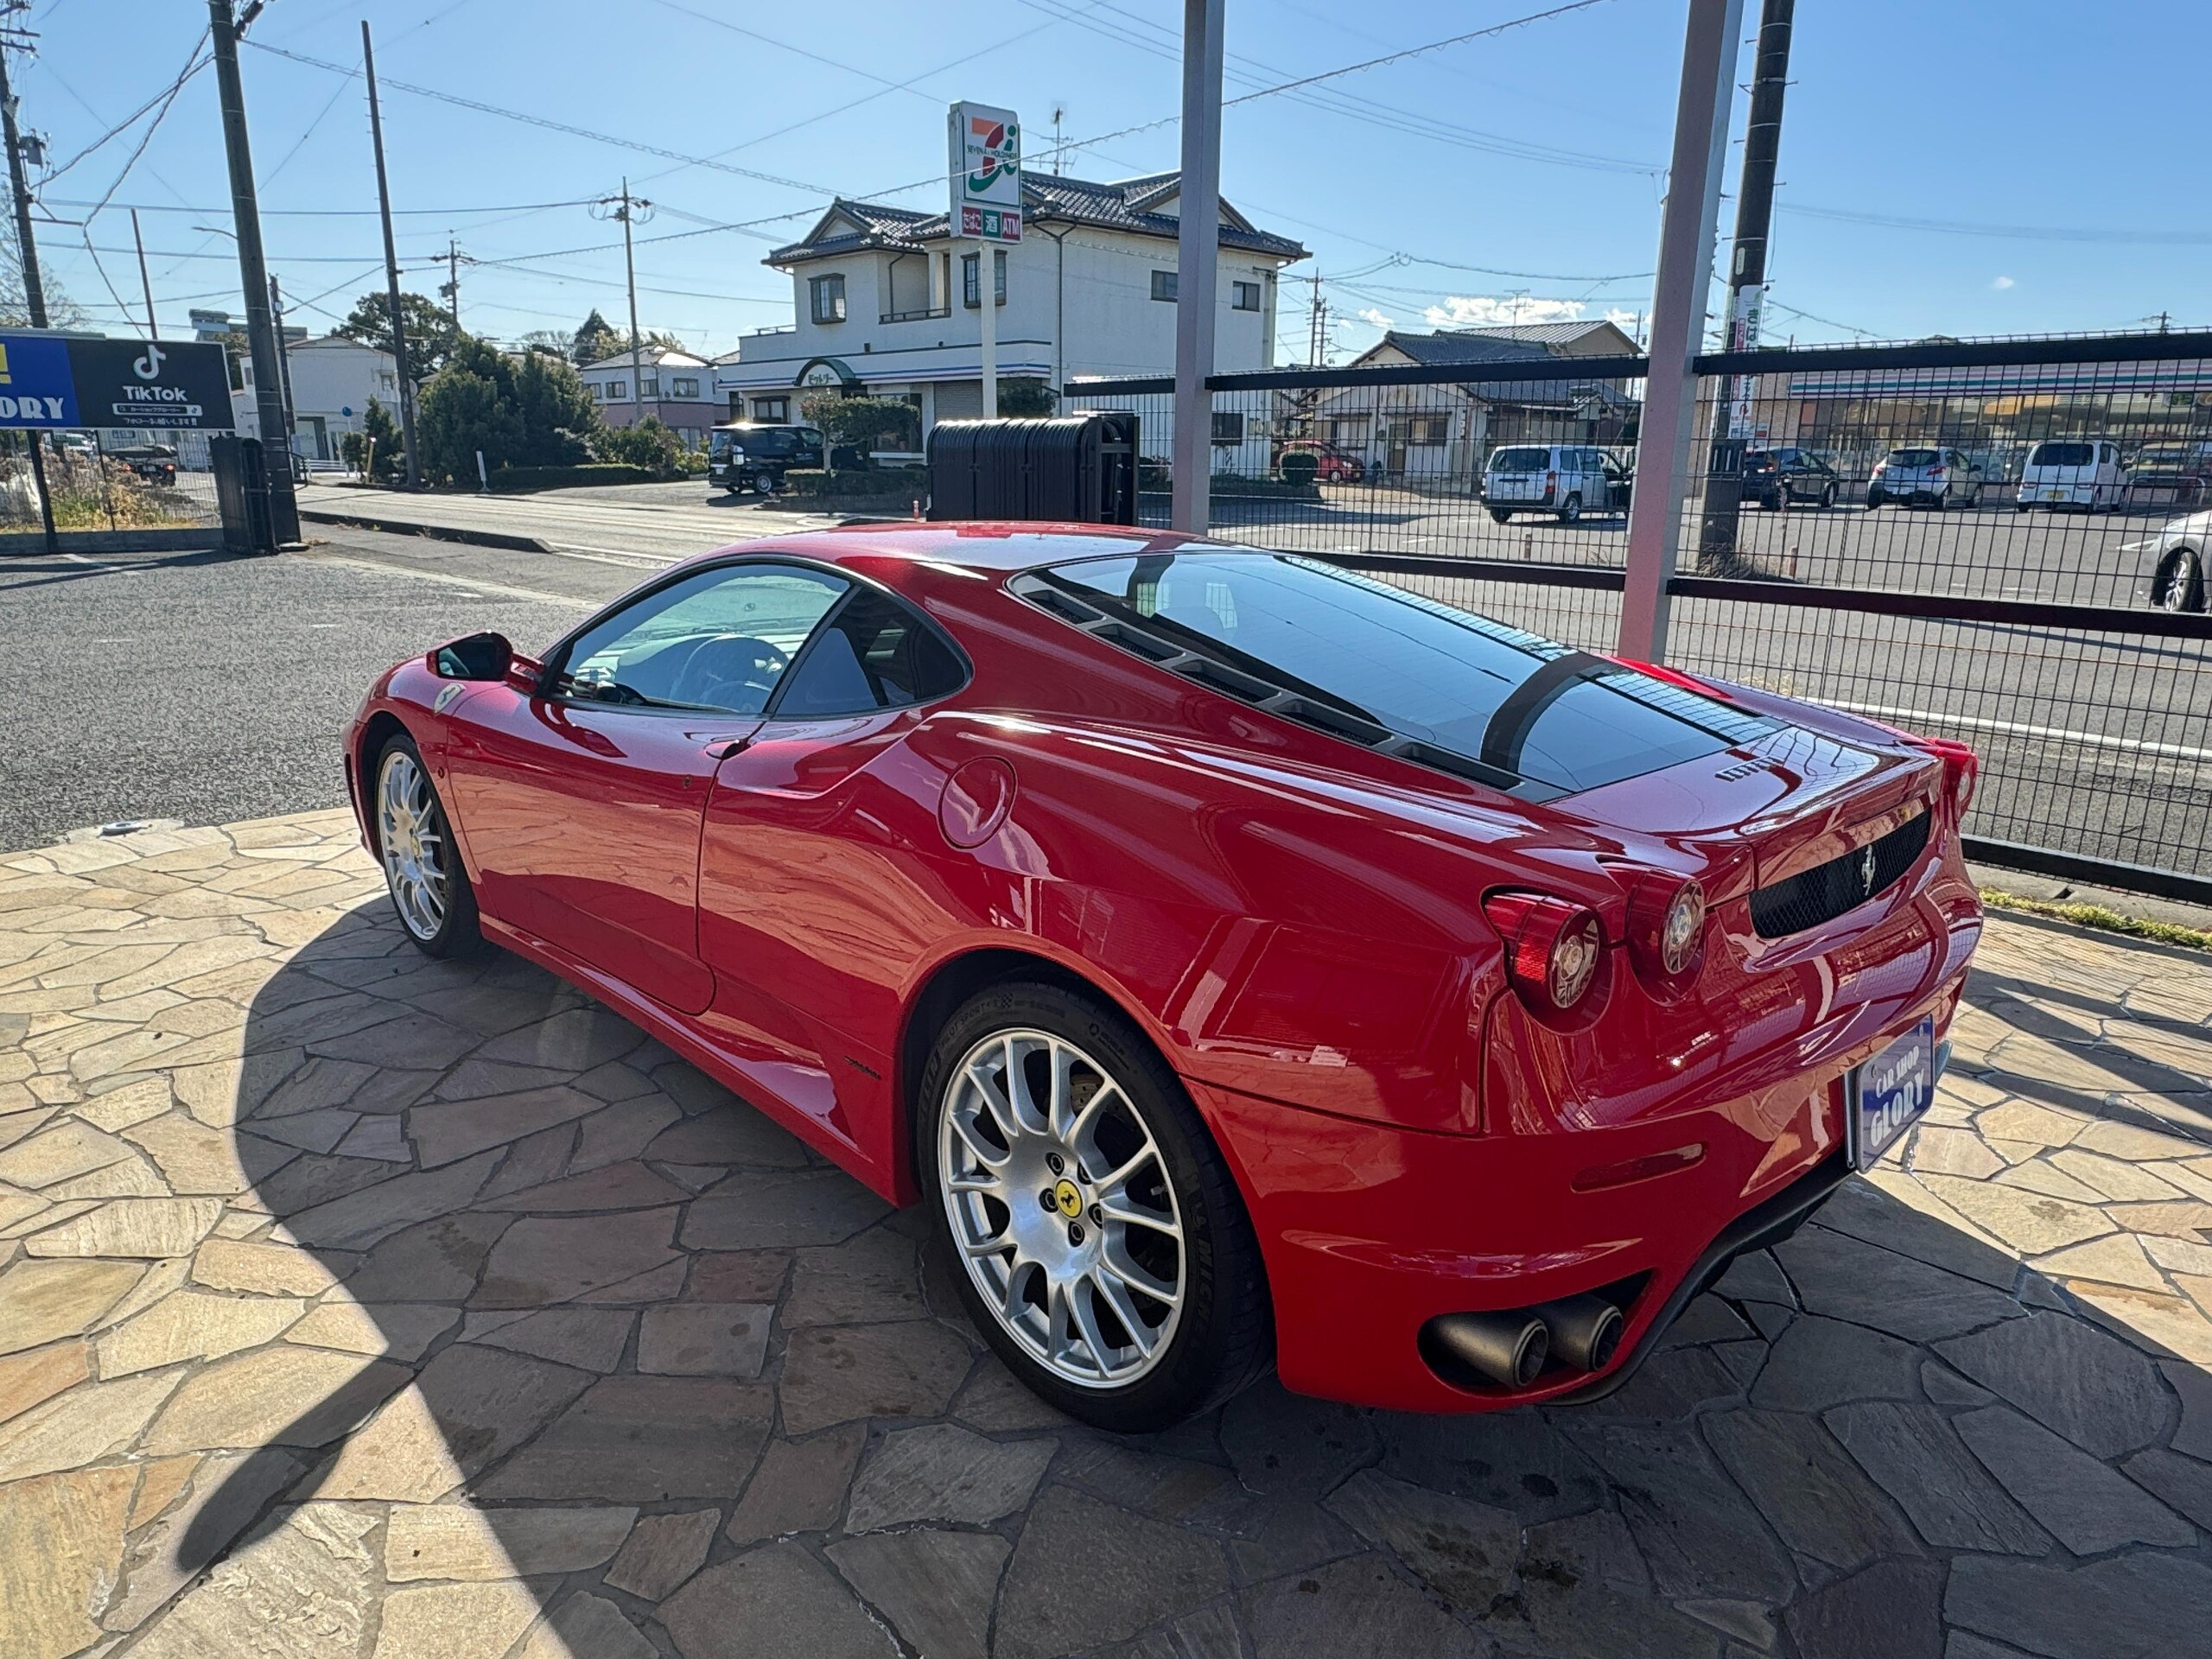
(2063, 454)
(2161, 454)
(1915, 457)
(1517, 704)
(1520, 461)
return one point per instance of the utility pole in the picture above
(283, 362)
(629, 210)
(1740, 327)
(253, 270)
(391, 267)
(153, 326)
(1197, 256)
(34, 286)
(452, 289)
(1678, 301)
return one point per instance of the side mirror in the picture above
(478, 657)
(525, 674)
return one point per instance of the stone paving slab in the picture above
(356, 1307)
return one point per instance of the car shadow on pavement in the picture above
(572, 1337)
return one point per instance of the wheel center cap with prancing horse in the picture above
(1067, 1200)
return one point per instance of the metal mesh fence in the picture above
(1958, 494)
(108, 480)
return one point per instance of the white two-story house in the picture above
(886, 303)
(679, 388)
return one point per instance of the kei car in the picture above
(1330, 464)
(1243, 961)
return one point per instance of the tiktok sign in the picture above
(51, 380)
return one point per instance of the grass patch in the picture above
(2105, 920)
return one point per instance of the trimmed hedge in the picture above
(811, 483)
(518, 480)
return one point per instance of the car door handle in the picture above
(721, 748)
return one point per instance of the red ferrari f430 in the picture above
(1245, 961)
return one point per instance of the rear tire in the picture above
(1827, 496)
(1875, 498)
(1501, 515)
(1072, 1273)
(1571, 508)
(423, 870)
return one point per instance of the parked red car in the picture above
(1242, 960)
(1332, 464)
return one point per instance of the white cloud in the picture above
(1369, 314)
(1488, 310)
(2000, 284)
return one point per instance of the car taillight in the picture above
(1961, 770)
(1666, 930)
(1935, 471)
(1553, 948)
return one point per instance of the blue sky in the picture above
(1960, 168)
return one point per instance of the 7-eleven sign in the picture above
(985, 167)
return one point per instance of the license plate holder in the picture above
(1887, 1095)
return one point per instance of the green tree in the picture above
(1026, 399)
(431, 336)
(595, 339)
(531, 412)
(649, 443)
(376, 448)
(863, 422)
(558, 416)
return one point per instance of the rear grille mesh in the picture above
(1825, 891)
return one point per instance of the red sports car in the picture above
(1245, 961)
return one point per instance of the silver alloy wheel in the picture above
(1061, 1207)
(2181, 581)
(414, 843)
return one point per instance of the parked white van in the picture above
(2081, 473)
(1565, 479)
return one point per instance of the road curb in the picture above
(436, 533)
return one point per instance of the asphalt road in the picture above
(209, 689)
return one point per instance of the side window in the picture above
(875, 653)
(719, 640)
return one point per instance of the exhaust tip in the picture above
(1506, 1350)
(1585, 1331)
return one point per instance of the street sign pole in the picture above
(1198, 243)
(1678, 301)
(983, 155)
(987, 302)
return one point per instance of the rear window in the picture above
(1521, 461)
(1915, 457)
(2063, 454)
(1511, 708)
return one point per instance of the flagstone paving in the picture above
(358, 1307)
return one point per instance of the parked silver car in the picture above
(2178, 561)
(1940, 477)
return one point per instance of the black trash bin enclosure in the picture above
(1070, 469)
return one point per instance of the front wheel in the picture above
(1103, 1250)
(1827, 496)
(422, 868)
(2181, 586)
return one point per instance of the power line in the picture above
(338, 212)
(193, 64)
(551, 126)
